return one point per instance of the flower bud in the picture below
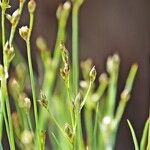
(103, 78)
(93, 74)
(10, 52)
(59, 11)
(5, 4)
(42, 101)
(15, 17)
(26, 137)
(31, 6)
(23, 31)
(113, 63)
(41, 44)
(67, 5)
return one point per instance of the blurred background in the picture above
(107, 26)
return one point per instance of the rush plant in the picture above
(55, 109)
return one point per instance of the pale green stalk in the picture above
(133, 136)
(143, 143)
(4, 80)
(28, 44)
(14, 27)
(3, 112)
(75, 59)
(112, 89)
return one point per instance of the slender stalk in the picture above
(75, 47)
(10, 121)
(29, 123)
(50, 75)
(3, 111)
(4, 81)
(95, 128)
(59, 127)
(13, 28)
(28, 44)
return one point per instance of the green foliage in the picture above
(72, 114)
(144, 144)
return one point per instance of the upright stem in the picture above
(75, 47)
(4, 86)
(28, 44)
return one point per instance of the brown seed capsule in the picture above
(65, 53)
(68, 130)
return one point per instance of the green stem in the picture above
(29, 123)
(86, 95)
(13, 27)
(95, 128)
(4, 83)
(75, 47)
(59, 127)
(28, 44)
(10, 121)
(3, 112)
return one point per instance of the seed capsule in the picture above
(23, 31)
(68, 130)
(31, 6)
(93, 74)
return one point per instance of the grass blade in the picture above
(133, 135)
(144, 136)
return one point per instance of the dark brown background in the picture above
(108, 26)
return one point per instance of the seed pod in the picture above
(68, 130)
(93, 74)
(42, 101)
(64, 72)
(10, 52)
(15, 17)
(23, 31)
(65, 53)
(31, 6)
